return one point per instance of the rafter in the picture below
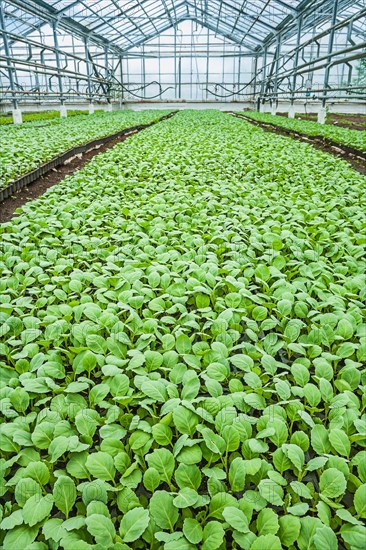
(241, 24)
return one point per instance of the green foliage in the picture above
(44, 115)
(182, 348)
(344, 136)
(24, 147)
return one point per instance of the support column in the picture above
(208, 61)
(275, 87)
(291, 112)
(17, 114)
(239, 72)
(121, 103)
(107, 77)
(63, 110)
(254, 76)
(143, 72)
(263, 81)
(323, 114)
(109, 107)
(89, 69)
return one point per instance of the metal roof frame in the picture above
(249, 23)
(121, 25)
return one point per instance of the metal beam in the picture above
(330, 50)
(9, 65)
(49, 14)
(58, 62)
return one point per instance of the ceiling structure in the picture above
(80, 49)
(125, 24)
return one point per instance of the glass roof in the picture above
(124, 24)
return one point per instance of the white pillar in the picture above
(63, 111)
(17, 116)
(291, 111)
(91, 108)
(322, 115)
(109, 107)
(273, 108)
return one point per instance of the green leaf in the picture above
(26, 488)
(236, 519)
(163, 462)
(192, 530)
(20, 537)
(186, 497)
(184, 420)
(298, 509)
(183, 344)
(296, 455)
(359, 501)
(155, 390)
(151, 479)
(101, 465)
(354, 535)
(340, 442)
(11, 521)
(162, 510)
(214, 442)
(102, 529)
(36, 509)
(289, 529)
(219, 502)
(237, 472)
(271, 491)
(38, 471)
(320, 439)
(267, 522)
(332, 483)
(213, 535)
(58, 447)
(269, 542)
(325, 539)
(134, 524)
(64, 493)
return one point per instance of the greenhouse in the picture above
(182, 274)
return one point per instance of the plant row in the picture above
(44, 115)
(24, 147)
(355, 139)
(183, 334)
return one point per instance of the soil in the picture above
(355, 158)
(350, 121)
(40, 185)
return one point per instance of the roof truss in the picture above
(120, 25)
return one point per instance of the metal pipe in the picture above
(296, 60)
(337, 26)
(264, 69)
(58, 63)
(88, 69)
(307, 66)
(330, 50)
(9, 66)
(278, 53)
(50, 70)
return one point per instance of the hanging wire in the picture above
(140, 88)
